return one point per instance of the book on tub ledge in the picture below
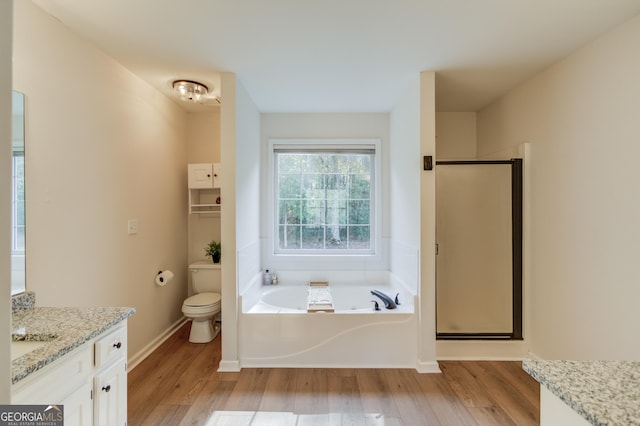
(319, 297)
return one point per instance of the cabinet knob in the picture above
(117, 345)
(106, 388)
(208, 176)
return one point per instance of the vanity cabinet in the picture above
(90, 381)
(110, 379)
(204, 187)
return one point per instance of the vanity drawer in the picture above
(111, 347)
(56, 381)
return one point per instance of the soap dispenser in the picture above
(267, 278)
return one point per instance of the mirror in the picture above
(18, 228)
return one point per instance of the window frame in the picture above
(338, 259)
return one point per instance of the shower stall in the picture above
(479, 249)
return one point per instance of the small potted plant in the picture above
(214, 249)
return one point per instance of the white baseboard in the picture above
(428, 367)
(229, 366)
(480, 358)
(481, 350)
(137, 358)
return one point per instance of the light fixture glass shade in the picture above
(189, 90)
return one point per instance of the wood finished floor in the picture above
(178, 385)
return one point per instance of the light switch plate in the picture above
(132, 226)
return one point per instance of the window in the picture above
(324, 199)
(17, 203)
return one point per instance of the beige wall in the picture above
(580, 117)
(203, 146)
(456, 135)
(6, 37)
(102, 147)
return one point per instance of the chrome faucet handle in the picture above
(376, 307)
(397, 301)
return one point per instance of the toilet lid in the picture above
(203, 299)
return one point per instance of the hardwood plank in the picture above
(344, 395)
(491, 416)
(186, 388)
(311, 391)
(341, 372)
(413, 407)
(248, 391)
(280, 391)
(212, 397)
(166, 415)
(444, 401)
(374, 393)
(526, 385)
(473, 395)
(344, 399)
(465, 385)
(521, 411)
(151, 382)
(179, 384)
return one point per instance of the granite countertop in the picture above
(603, 392)
(63, 330)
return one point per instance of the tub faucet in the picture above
(389, 303)
(376, 307)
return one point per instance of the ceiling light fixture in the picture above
(189, 90)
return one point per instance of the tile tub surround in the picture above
(63, 330)
(603, 392)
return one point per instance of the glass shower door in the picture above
(477, 287)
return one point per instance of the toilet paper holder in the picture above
(163, 277)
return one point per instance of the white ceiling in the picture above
(342, 55)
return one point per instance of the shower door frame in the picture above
(516, 253)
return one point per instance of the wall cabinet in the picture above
(90, 381)
(204, 187)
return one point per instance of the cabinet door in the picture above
(78, 408)
(217, 175)
(110, 395)
(200, 175)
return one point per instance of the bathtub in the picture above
(277, 331)
(347, 299)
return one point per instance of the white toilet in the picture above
(204, 305)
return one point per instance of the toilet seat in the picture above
(201, 304)
(202, 299)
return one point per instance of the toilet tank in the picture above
(205, 276)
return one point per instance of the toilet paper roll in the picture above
(164, 277)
